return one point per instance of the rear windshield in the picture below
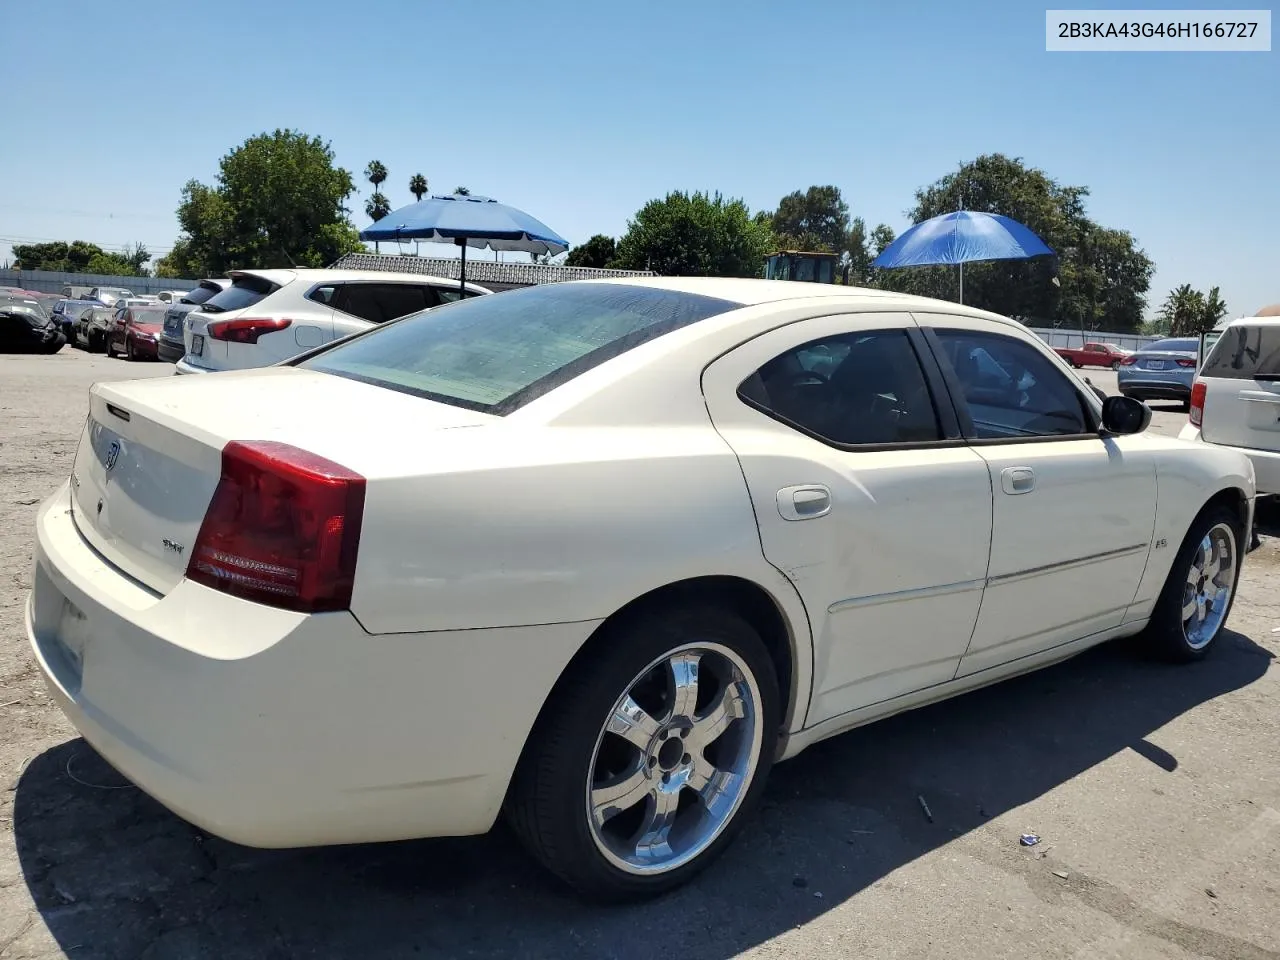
(1175, 346)
(149, 313)
(198, 295)
(244, 292)
(1245, 353)
(497, 353)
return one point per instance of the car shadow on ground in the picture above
(115, 875)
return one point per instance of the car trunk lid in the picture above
(150, 456)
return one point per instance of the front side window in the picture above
(850, 389)
(1012, 391)
(1245, 353)
(497, 353)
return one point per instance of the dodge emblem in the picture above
(113, 454)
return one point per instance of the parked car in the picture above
(170, 296)
(92, 327)
(266, 316)
(1235, 401)
(172, 345)
(595, 554)
(1093, 355)
(109, 295)
(135, 331)
(25, 326)
(66, 312)
(1163, 370)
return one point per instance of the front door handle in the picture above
(804, 502)
(1016, 480)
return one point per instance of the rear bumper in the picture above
(1145, 389)
(1266, 463)
(183, 365)
(278, 729)
(171, 351)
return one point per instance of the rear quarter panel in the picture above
(1188, 476)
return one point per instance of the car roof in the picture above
(749, 292)
(1254, 322)
(320, 275)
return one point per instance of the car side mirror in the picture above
(1125, 415)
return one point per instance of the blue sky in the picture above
(581, 112)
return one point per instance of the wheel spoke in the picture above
(1212, 560)
(633, 723)
(717, 720)
(655, 831)
(1189, 605)
(684, 674)
(610, 799)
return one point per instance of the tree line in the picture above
(279, 200)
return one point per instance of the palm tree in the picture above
(377, 207)
(375, 173)
(417, 186)
(462, 191)
(1215, 308)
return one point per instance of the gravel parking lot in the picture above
(1155, 790)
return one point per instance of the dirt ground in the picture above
(1155, 791)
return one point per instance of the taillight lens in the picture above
(1128, 361)
(283, 528)
(1198, 391)
(245, 329)
(1184, 362)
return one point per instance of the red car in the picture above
(1093, 355)
(135, 331)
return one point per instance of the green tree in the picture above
(377, 207)
(462, 191)
(418, 186)
(376, 174)
(115, 265)
(817, 219)
(1103, 275)
(1186, 312)
(71, 257)
(596, 252)
(881, 237)
(695, 234)
(279, 201)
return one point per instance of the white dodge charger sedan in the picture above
(596, 555)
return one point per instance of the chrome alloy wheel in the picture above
(674, 759)
(1210, 580)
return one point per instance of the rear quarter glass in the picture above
(1245, 352)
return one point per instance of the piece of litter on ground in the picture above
(27, 503)
(925, 807)
(1209, 891)
(1061, 874)
(864, 833)
(817, 894)
(1028, 839)
(11, 703)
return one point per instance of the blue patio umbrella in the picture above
(965, 236)
(468, 221)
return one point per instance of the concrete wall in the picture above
(52, 281)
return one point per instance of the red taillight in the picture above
(1128, 361)
(246, 329)
(1184, 362)
(1198, 391)
(283, 528)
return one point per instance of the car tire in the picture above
(129, 353)
(592, 797)
(1115, 365)
(1188, 618)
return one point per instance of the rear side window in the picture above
(850, 390)
(1245, 353)
(380, 302)
(497, 353)
(243, 292)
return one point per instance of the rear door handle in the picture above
(1016, 480)
(804, 502)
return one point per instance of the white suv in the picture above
(267, 316)
(1235, 401)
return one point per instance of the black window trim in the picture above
(956, 391)
(338, 286)
(943, 408)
